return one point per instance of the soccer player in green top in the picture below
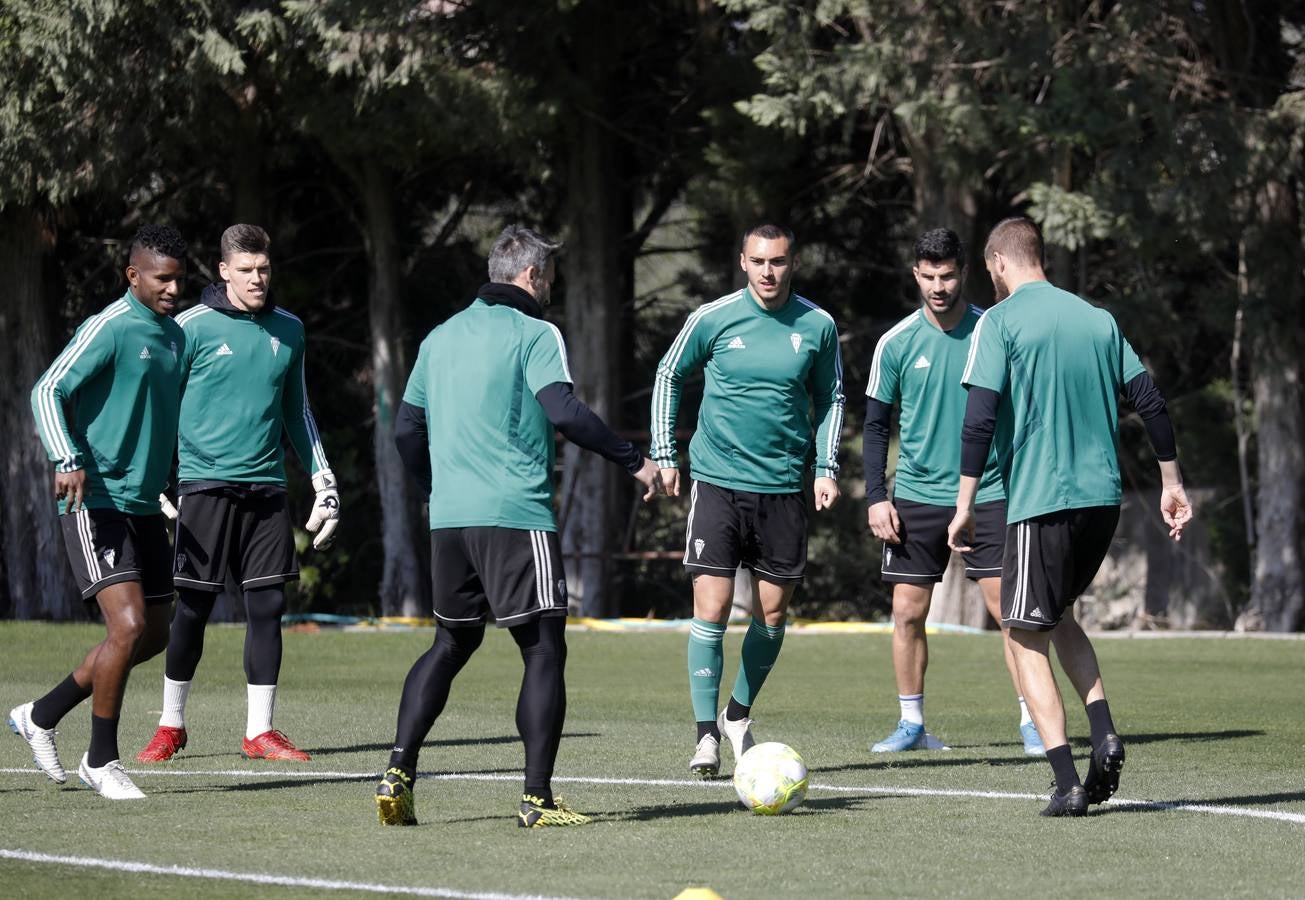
(243, 392)
(918, 362)
(770, 358)
(475, 429)
(1045, 373)
(120, 380)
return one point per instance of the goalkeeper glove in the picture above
(326, 509)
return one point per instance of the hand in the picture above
(71, 488)
(165, 505)
(650, 477)
(671, 482)
(326, 510)
(1176, 509)
(960, 533)
(883, 521)
(826, 491)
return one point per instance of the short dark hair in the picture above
(244, 239)
(770, 232)
(938, 245)
(516, 249)
(1018, 239)
(163, 240)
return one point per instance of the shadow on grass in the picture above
(933, 760)
(1150, 806)
(278, 784)
(443, 742)
(680, 810)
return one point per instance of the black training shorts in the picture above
(765, 533)
(511, 572)
(1050, 561)
(106, 546)
(923, 554)
(245, 530)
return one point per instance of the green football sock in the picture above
(706, 658)
(760, 650)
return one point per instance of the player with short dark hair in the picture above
(475, 429)
(120, 378)
(243, 392)
(1045, 373)
(918, 363)
(770, 358)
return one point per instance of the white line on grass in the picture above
(321, 884)
(1117, 802)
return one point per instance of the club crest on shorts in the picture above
(796, 340)
(561, 588)
(888, 555)
(276, 345)
(698, 546)
(107, 554)
(179, 563)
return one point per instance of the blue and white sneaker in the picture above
(1032, 740)
(908, 736)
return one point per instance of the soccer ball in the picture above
(771, 779)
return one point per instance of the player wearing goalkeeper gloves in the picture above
(243, 389)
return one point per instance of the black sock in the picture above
(47, 711)
(1062, 764)
(540, 796)
(736, 710)
(1099, 721)
(104, 741)
(708, 728)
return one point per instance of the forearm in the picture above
(1147, 401)
(412, 442)
(874, 449)
(1170, 474)
(977, 430)
(582, 426)
(665, 407)
(965, 493)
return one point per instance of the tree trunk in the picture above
(404, 585)
(37, 582)
(598, 288)
(1274, 299)
(945, 201)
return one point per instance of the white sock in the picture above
(1025, 718)
(262, 700)
(174, 703)
(912, 707)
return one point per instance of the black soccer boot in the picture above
(1073, 802)
(1104, 765)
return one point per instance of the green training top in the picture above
(919, 364)
(491, 445)
(766, 373)
(243, 388)
(121, 375)
(1060, 365)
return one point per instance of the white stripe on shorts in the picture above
(86, 537)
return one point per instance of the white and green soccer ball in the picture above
(771, 779)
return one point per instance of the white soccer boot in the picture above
(706, 759)
(41, 740)
(739, 733)
(110, 780)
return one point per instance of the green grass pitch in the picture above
(1213, 722)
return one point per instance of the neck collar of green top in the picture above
(1039, 282)
(141, 309)
(761, 307)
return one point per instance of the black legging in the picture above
(541, 705)
(263, 610)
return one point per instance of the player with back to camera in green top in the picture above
(475, 429)
(771, 364)
(1045, 374)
